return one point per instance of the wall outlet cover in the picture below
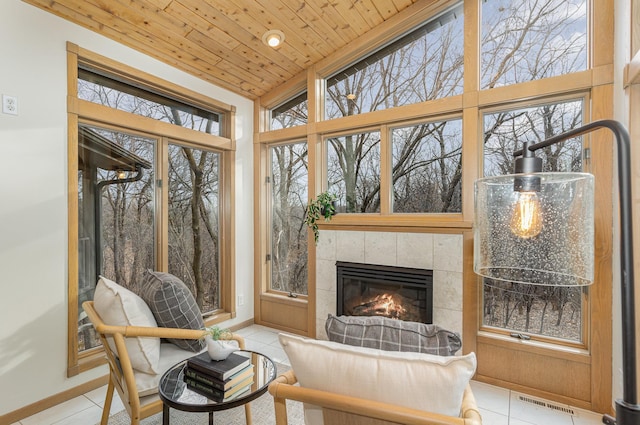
(9, 104)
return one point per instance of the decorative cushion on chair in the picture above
(173, 306)
(416, 380)
(392, 335)
(117, 306)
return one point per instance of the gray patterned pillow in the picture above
(392, 335)
(173, 306)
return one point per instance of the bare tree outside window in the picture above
(289, 181)
(353, 171)
(427, 167)
(519, 43)
(532, 39)
(291, 113)
(423, 65)
(194, 222)
(125, 97)
(127, 218)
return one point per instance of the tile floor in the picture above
(498, 406)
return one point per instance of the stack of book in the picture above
(221, 380)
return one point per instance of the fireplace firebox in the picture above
(375, 290)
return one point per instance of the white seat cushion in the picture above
(170, 354)
(416, 380)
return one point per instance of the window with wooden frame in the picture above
(288, 182)
(545, 313)
(152, 166)
(424, 64)
(290, 113)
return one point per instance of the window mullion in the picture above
(162, 204)
(386, 171)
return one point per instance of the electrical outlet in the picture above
(9, 104)
(240, 299)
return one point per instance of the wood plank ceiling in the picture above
(220, 41)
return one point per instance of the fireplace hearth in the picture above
(389, 291)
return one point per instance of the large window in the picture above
(118, 219)
(547, 311)
(423, 65)
(151, 193)
(289, 182)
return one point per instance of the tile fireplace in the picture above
(441, 253)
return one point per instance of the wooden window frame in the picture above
(81, 111)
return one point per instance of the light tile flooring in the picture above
(498, 406)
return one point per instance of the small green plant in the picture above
(322, 206)
(217, 333)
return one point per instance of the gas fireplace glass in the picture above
(395, 292)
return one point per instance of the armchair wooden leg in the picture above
(247, 413)
(107, 404)
(280, 405)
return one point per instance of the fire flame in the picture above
(386, 306)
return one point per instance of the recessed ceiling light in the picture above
(273, 38)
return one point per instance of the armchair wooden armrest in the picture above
(343, 409)
(144, 331)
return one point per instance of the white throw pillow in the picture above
(119, 306)
(416, 380)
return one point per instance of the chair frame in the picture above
(342, 409)
(121, 375)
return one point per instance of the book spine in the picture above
(205, 389)
(204, 378)
(204, 371)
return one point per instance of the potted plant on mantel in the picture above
(324, 206)
(217, 349)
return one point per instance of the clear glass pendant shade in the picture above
(542, 236)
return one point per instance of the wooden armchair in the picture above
(122, 376)
(342, 410)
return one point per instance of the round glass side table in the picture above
(176, 393)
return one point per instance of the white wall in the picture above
(33, 197)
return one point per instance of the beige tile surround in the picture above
(440, 252)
